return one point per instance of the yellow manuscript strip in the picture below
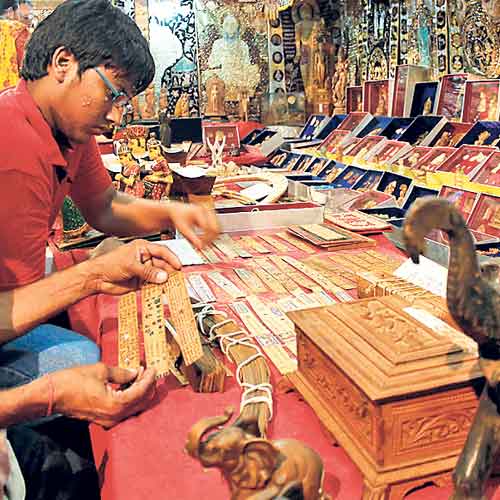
(277, 274)
(272, 283)
(183, 319)
(269, 343)
(296, 276)
(211, 256)
(231, 243)
(128, 332)
(250, 280)
(280, 247)
(155, 340)
(250, 243)
(227, 285)
(296, 243)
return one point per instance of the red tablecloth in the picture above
(144, 455)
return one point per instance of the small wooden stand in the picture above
(398, 396)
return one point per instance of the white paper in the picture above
(184, 250)
(191, 172)
(257, 191)
(112, 163)
(428, 275)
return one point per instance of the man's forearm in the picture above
(23, 308)
(24, 403)
(127, 215)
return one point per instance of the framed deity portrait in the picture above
(354, 99)
(353, 120)
(451, 96)
(451, 135)
(466, 159)
(369, 181)
(364, 146)
(413, 157)
(481, 101)
(434, 159)
(387, 152)
(218, 131)
(348, 177)
(489, 173)
(395, 185)
(485, 217)
(462, 199)
(333, 140)
(376, 97)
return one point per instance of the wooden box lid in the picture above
(385, 350)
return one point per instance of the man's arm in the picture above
(117, 213)
(115, 272)
(83, 392)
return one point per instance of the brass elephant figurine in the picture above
(255, 468)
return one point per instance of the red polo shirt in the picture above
(30, 193)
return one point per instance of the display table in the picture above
(144, 456)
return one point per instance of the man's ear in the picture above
(63, 65)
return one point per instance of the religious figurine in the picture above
(136, 108)
(163, 101)
(123, 151)
(243, 102)
(382, 102)
(154, 147)
(257, 468)
(473, 297)
(215, 97)
(161, 178)
(182, 106)
(130, 179)
(149, 110)
(230, 59)
(217, 148)
(305, 15)
(339, 82)
(482, 138)
(321, 58)
(444, 140)
(427, 107)
(402, 194)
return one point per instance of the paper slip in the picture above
(250, 280)
(201, 288)
(269, 343)
(272, 283)
(184, 251)
(280, 247)
(225, 248)
(227, 240)
(227, 285)
(273, 318)
(257, 191)
(182, 317)
(296, 243)
(277, 274)
(428, 275)
(155, 340)
(250, 243)
(295, 275)
(128, 332)
(211, 256)
(441, 328)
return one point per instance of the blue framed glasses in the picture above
(118, 98)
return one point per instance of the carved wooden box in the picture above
(397, 395)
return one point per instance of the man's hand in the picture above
(189, 217)
(85, 392)
(125, 268)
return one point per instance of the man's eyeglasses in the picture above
(118, 97)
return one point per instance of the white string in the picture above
(228, 340)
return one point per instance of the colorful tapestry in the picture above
(233, 42)
(172, 37)
(13, 36)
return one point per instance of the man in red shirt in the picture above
(75, 83)
(81, 67)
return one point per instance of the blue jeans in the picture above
(45, 349)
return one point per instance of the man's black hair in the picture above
(8, 4)
(96, 33)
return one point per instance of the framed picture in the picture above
(467, 159)
(333, 140)
(489, 173)
(412, 157)
(481, 100)
(376, 97)
(434, 159)
(214, 132)
(485, 217)
(354, 99)
(451, 96)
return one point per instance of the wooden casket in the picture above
(397, 393)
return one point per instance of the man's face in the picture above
(84, 105)
(25, 14)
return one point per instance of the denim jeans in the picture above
(54, 453)
(45, 349)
